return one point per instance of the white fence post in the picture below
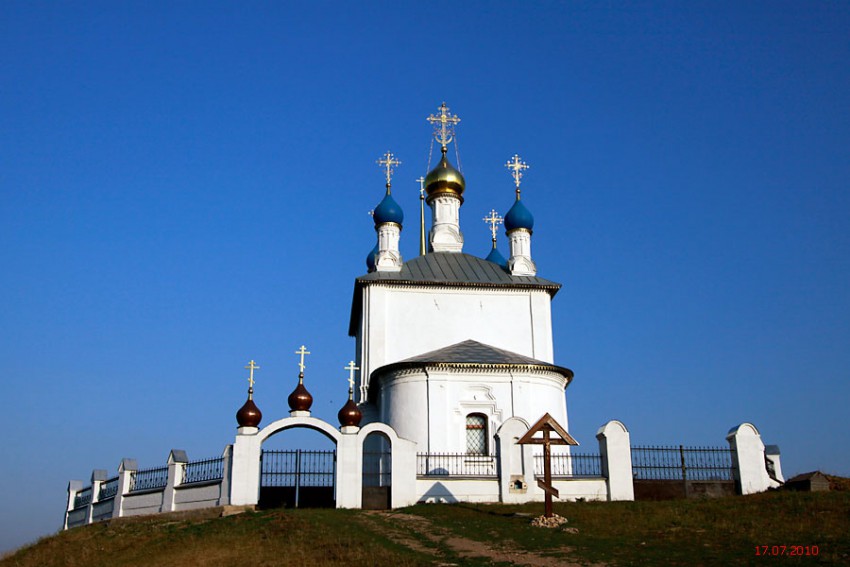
(245, 477)
(226, 473)
(177, 460)
(125, 477)
(616, 452)
(748, 459)
(74, 487)
(98, 476)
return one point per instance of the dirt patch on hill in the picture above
(421, 535)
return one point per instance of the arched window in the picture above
(476, 434)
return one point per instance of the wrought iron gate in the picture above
(297, 478)
(377, 480)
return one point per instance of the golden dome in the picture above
(444, 180)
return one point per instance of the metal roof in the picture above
(471, 353)
(452, 269)
(456, 268)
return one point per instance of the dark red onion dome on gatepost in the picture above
(350, 414)
(300, 399)
(249, 415)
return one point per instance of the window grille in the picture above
(476, 434)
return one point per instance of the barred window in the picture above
(476, 434)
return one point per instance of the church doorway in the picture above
(295, 477)
(377, 472)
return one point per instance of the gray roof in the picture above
(456, 268)
(451, 269)
(471, 353)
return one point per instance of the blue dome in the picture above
(518, 217)
(496, 257)
(388, 211)
(370, 258)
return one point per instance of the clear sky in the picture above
(185, 187)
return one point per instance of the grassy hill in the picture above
(727, 531)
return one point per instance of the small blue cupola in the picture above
(518, 217)
(388, 211)
(496, 257)
(370, 258)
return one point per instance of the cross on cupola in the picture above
(302, 352)
(251, 367)
(389, 161)
(351, 368)
(444, 125)
(516, 165)
(494, 220)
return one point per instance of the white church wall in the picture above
(429, 405)
(422, 319)
(404, 406)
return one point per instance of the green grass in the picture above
(721, 531)
(698, 532)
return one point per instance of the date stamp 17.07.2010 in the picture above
(786, 550)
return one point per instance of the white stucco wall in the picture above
(399, 322)
(141, 504)
(429, 406)
(191, 497)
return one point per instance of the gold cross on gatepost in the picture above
(351, 368)
(516, 165)
(494, 220)
(388, 160)
(444, 125)
(251, 367)
(302, 351)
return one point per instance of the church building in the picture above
(450, 345)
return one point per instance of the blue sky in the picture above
(185, 186)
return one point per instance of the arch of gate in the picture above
(313, 423)
(247, 450)
(403, 454)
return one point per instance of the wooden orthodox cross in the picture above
(547, 425)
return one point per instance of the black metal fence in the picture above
(108, 489)
(205, 470)
(682, 463)
(456, 464)
(83, 497)
(149, 479)
(377, 468)
(298, 468)
(574, 465)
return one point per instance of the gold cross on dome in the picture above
(251, 367)
(388, 160)
(421, 181)
(444, 125)
(302, 351)
(494, 220)
(516, 165)
(351, 368)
